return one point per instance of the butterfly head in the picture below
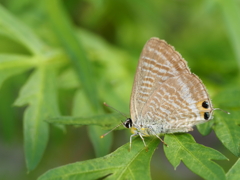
(128, 123)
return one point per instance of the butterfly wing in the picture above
(158, 62)
(177, 104)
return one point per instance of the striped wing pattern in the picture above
(165, 93)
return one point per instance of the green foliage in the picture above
(94, 132)
(120, 164)
(73, 47)
(228, 131)
(108, 121)
(39, 93)
(63, 74)
(20, 34)
(231, 15)
(233, 173)
(11, 65)
(182, 147)
(227, 126)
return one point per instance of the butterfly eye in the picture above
(205, 105)
(206, 115)
(128, 123)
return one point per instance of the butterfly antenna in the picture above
(102, 136)
(221, 110)
(105, 104)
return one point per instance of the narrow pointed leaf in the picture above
(120, 164)
(198, 158)
(62, 28)
(39, 93)
(107, 121)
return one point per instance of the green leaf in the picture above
(101, 146)
(63, 30)
(227, 125)
(39, 93)
(234, 173)
(198, 158)
(120, 164)
(11, 65)
(231, 14)
(108, 121)
(22, 33)
(228, 131)
(205, 128)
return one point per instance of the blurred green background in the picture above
(112, 34)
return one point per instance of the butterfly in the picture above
(166, 96)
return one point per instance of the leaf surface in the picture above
(228, 131)
(198, 158)
(227, 125)
(205, 128)
(120, 164)
(107, 121)
(63, 30)
(234, 173)
(40, 96)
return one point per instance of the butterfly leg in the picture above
(143, 141)
(157, 136)
(130, 146)
(161, 140)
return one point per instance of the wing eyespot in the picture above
(206, 115)
(205, 104)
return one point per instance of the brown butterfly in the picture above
(166, 97)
